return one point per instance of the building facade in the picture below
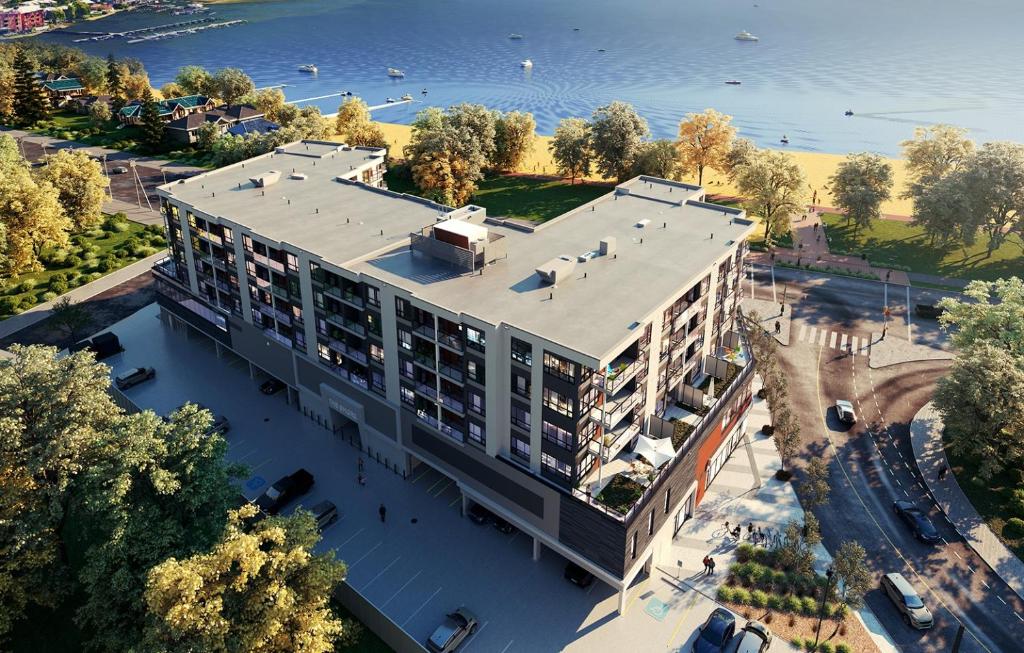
(23, 18)
(524, 362)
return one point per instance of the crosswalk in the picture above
(834, 340)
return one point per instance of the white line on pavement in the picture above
(910, 337)
(512, 640)
(842, 347)
(957, 555)
(1000, 599)
(812, 334)
(821, 337)
(473, 636)
(1018, 616)
(906, 493)
(986, 585)
(380, 573)
(266, 462)
(832, 340)
(399, 591)
(374, 548)
(244, 456)
(944, 540)
(803, 330)
(352, 537)
(424, 604)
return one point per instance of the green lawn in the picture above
(73, 126)
(902, 245)
(92, 254)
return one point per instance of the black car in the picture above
(503, 526)
(918, 521)
(577, 575)
(479, 515)
(271, 387)
(716, 633)
(284, 491)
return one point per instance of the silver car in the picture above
(454, 630)
(134, 376)
(756, 638)
(907, 601)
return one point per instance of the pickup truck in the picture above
(284, 491)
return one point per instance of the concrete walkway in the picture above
(926, 439)
(894, 350)
(40, 312)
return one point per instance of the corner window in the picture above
(405, 339)
(522, 352)
(403, 308)
(475, 371)
(558, 367)
(555, 466)
(475, 338)
(373, 296)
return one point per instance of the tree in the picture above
(570, 148)
(152, 125)
(7, 79)
(99, 114)
(71, 316)
(514, 133)
(195, 80)
(657, 159)
(980, 402)
(816, 487)
(269, 101)
(993, 314)
(992, 182)
(136, 85)
(739, 155)
(207, 135)
(617, 133)
(114, 86)
(933, 153)
(786, 434)
(797, 551)
(171, 90)
(705, 140)
(449, 150)
(80, 184)
(31, 211)
(261, 590)
(859, 186)
(229, 84)
(774, 185)
(92, 71)
(474, 122)
(160, 490)
(309, 125)
(853, 578)
(941, 210)
(30, 103)
(54, 415)
(353, 124)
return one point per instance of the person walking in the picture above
(707, 564)
(362, 465)
(361, 478)
(778, 327)
(815, 226)
(942, 471)
(711, 566)
(750, 530)
(382, 511)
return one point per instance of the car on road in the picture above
(479, 515)
(287, 489)
(325, 513)
(929, 311)
(577, 575)
(844, 410)
(905, 598)
(134, 376)
(756, 638)
(917, 520)
(271, 387)
(118, 170)
(454, 630)
(716, 633)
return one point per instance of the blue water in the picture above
(895, 63)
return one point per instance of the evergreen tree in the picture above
(114, 87)
(30, 101)
(152, 125)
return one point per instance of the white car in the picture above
(756, 638)
(844, 410)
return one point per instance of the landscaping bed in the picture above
(680, 431)
(621, 493)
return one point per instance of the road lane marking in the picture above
(971, 568)
(380, 573)
(854, 349)
(832, 340)
(353, 564)
(842, 347)
(803, 330)
(957, 555)
(423, 605)
(399, 591)
(1000, 599)
(986, 585)
(811, 335)
(821, 337)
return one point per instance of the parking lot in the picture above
(425, 559)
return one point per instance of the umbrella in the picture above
(656, 452)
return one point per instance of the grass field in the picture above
(892, 243)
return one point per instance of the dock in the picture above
(378, 106)
(159, 36)
(180, 26)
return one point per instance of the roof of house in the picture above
(71, 84)
(254, 126)
(239, 112)
(167, 106)
(194, 121)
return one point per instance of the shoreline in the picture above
(818, 167)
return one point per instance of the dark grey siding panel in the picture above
(593, 534)
(377, 413)
(195, 320)
(274, 358)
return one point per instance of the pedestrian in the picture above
(888, 273)
(361, 478)
(817, 238)
(750, 530)
(942, 472)
(362, 465)
(382, 511)
(711, 566)
(814, 198)
(707, 563)
(737, 532)
(778, 327)
(761, 536)
(815, 226)
(726, 527)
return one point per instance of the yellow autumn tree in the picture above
(354, 126)
(81, 186)
(705, 140)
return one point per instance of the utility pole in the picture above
(829, 574)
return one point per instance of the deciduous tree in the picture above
(229, 84)
(171, 90)
(80, 184)
(195, 80)
(859, 186)
(30, 210)
(354, 126)
(992, 182)
(933, 153)
(269, 101)
(941, 210)
(786, 434)
(705, 140)
(815, 488)
(774, 185)
(854, 579)
(993, 314)
(99, 114)
(617, 134)
(570, 148)
(657, 159)
(449, 150)
(514, 133)
(739, 154)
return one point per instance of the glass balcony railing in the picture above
(449, 401)
(453, 373)
(427, 360)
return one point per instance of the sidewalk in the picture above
(926, 439)
(42, 311)
(894, 350)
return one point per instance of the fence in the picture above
(122, 400)
(375, 620)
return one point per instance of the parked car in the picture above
(577, 575)
(104, 345)
(919, 522)
(271, 387)
(503, 526)
(930, 311)
(479, 515)
(287, 489)
(455, 628)
(716, 632)
(134, 376)
(905, 598)
(756, 638)
(325, 513)
(844, 410)
(118, 170)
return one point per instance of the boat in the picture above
(515, 37)
(389, 100)
(601, 50)
(784, 140)
(733, 82)
(746, 36)
(407, 98)
(395, 72)
(849, 112)
(424, 91)
(526, 63)
(575, 29)
(308, 68)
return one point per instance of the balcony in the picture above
(617, 408)
(359, 380)
(353, 299)
(451, 341)
(452, 403)
(450, 372)
(346, 350)
(424, 359)
(266, 310)
(426, 418)
(276, 266)
(353, 327)
(283, 317)
(623, 368)
(259, 258)
(426, 390)
(333, 291)
(274, 335)
(280, 292)
(452, 431)
(425, 330)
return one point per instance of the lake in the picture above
(894, 64)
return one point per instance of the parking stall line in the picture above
(445, 487)
(399, 590)
(986, 585)
(351, 537)
(422, 474)
(423, 605)
(353, 564)
(430, 489)
(479, 630)
(1000, 599)
(380, 573)
(455, 500)
(246, 455)
(255, 468)
(507, 646)
(957, 555)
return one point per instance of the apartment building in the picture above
(528, 363)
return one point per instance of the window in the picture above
(228, 237)
(475, 401)
(376, 353)
(557, 402)
(650, 523)
(668, 499)
(324, 351)
(632, 546)
(520, 417)
(373, 296)
(521, 449)
(557, 435)
(476, 433)
(555, 466)
(373, 323)
(475, 370)
(402, 308)
(377, 378)
(475, 338)
(405, 339)
(406, 369)
(589, 400)
(408, 396)
(247, 243)
(521, 385)
(563, 369)
(522, 351)
(292, 261)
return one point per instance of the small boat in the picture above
(348, 93)
(784, 140)
(395, 72)
(733, 82)
(601, 50)
(746, 36)
(575, 29)
(848, 112)
(515, 37)
(407, 98)
(308, 68)
(389, 100)
(526, 63)
(424, 91)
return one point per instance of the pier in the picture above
(104, 36)
(159, 36)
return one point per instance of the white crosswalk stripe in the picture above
(844, 342)
(821, 337)
(832, 340)
(803, 330)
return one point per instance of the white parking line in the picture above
(423, 605)
(379, 573)
(399, 591)
(246, 455)
(507, 645)
(1018, 616)
(957, 555)
(1000, 599)
(266, 462)
(374, 548)
(479, 630)
(352, 537)
(986, 585)
(971, 568)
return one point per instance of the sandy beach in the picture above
(817, 167)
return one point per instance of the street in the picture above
(871, 462)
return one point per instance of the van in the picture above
(325, 513)
(907, 601)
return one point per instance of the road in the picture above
(872, 464)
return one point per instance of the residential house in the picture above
(83, 103)
(62, 89)
(186, 129)
(170, 109)
(255, 127)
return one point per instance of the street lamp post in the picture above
(829, 575)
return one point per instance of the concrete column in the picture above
(252, 371)
(536, 549)
(465, 504)
(622, 600)
(219, 349)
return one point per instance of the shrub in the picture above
(759, 598)
(783, 475)
(106, 264)
(792, 603)
(843, 647)
(828, 610)
(8, 305)
(797, 642)
(59, 283)
(725, 594)
(808, 605)
(774, 602)
(745, 552)
(1014, 528)
(153, 229)
(768, 429)
(73, 261)
(1016, 503)
(741, 596)
(26, 286)
(50, 296)
(809, 646)
(840, 611)
(825, 647)
(89, 278)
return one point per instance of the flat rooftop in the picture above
(601, 300)
(335, 220)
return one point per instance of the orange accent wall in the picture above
(712, 442)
